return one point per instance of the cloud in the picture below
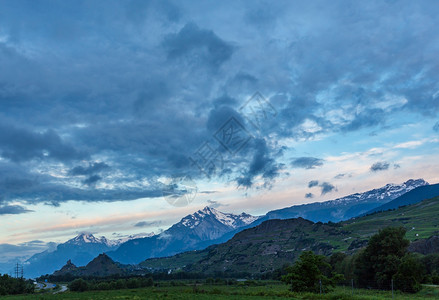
(92, 168)
(92, 180)
(13, 210)
(13, 253)
(339, 176)
(327, 187)
(436, 127)
(313, 183)
(262, 164)
(307, 162)
(309, 196)
(197, 46)
(148, 223)
(166, 72)
(215, 204)
(379, 166)
(19, 144)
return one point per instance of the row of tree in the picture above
(81, 285)
(384, 263)
(13, 286)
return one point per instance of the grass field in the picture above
(206, 292)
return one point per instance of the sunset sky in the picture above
(104, 105)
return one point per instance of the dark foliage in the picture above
(14, 286)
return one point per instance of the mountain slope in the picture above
(80, 250)
(276, 242)
(412, 197)
(196, 231)
(346, 207)
(101, 266)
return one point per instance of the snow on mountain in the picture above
(194, 232)
(347, 207)
(389, 191)
(88, 238)
(117, 242)
(228, 219)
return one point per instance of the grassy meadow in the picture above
(260, 290)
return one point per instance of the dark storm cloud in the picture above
(262, 164)
(19, 144)
(197, 46)
(380, 166)
(327, 187)
(313, 183)
(16, 183)
(307, 162)
(309, 195)
(92, 168)
(142, 84)
(13, 210)
(92, 180)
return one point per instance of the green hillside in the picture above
(275, 242)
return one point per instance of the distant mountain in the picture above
(274, 243)
(417, 195)
(101, 266)
(196, 231)
(346, 207)
(80, 250)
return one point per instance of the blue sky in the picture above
(105, 104)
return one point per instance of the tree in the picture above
(410, 274)
(308, 273)
(378, 262)
(78, 285)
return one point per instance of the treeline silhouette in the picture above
(13, 286)
(180, 275)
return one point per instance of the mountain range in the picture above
(274, 243)
(347, 207)
(196, 231)
(411, 197)
(207, 227)
(81, 249)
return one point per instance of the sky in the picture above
(122, 117)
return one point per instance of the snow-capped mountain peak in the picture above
(86, 238)
(388, 192)
(228, 219)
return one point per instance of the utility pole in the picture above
(18, 270)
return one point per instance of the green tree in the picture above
(78, 285)
(378, 262)
(133, 283)
(308, 272)
(410, 274)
